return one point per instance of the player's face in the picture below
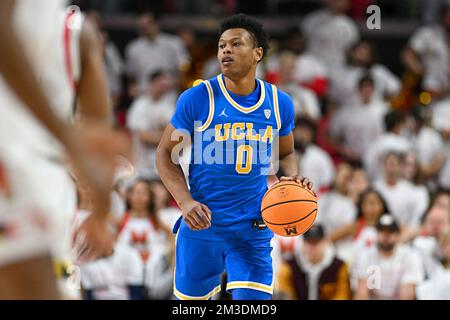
(237, 53)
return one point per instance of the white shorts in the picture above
(35, 218)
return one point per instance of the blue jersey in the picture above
(232, 138)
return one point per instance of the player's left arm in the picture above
(288, 158)
(289, 162)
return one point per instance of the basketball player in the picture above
(221, 225)
(35, 188)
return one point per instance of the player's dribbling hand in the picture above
(303, 181)
(196, 215)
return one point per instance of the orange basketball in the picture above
(288, 209)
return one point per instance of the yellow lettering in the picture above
(268, 135)
(226, 133)
(242, 168)
(234, 134)
(241, 131)
(250, 135)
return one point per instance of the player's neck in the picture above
(242, 86)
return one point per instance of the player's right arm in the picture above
(196, 214)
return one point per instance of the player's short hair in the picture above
(253, 26)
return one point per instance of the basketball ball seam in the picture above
(289, 201)
(291, 222)
(291, 184)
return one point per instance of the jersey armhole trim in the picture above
(276, 106)
(211, 108)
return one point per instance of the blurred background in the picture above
(372, 133)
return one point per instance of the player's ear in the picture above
(259, 52)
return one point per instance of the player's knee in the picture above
(249, 294)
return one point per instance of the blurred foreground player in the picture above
(35, 187)
(221, 226)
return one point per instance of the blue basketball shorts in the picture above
(201, 262)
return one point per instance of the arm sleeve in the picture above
(286, 113)
(186, 112)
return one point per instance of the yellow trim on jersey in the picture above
(208, 296)
(211, 108)
(276, 106)
(235, 104)
(250, 285)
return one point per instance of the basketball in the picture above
(288, 209)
